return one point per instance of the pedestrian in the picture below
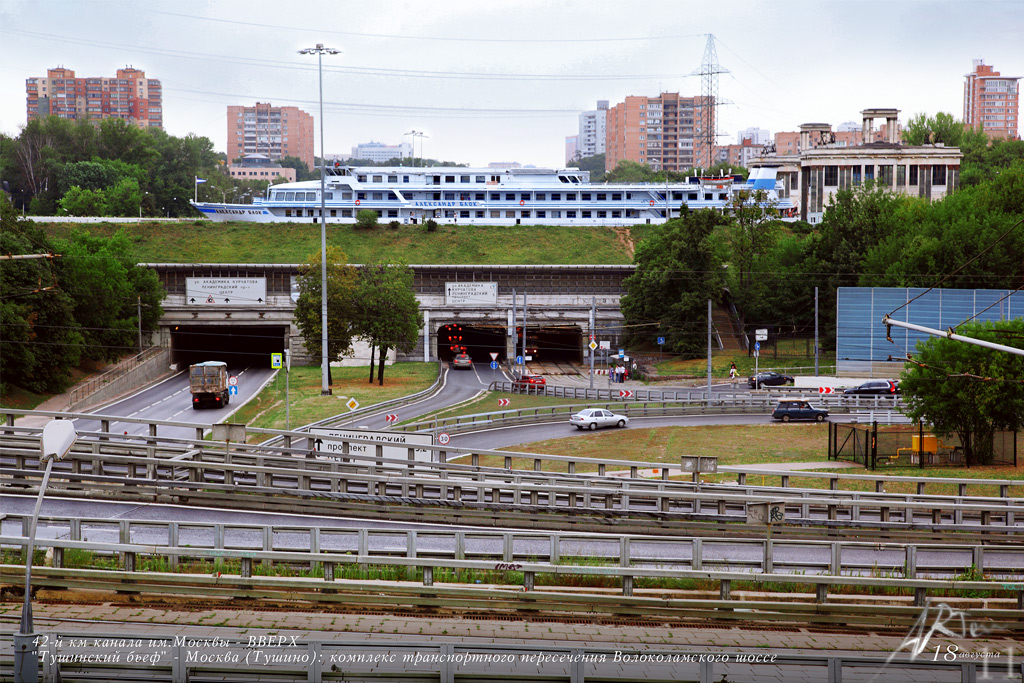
(732, 371)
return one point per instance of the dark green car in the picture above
(798, 410)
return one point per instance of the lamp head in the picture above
(58, 438)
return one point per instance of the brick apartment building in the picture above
(662, 132)
(992, 102)
(275, 132)
(129, 96)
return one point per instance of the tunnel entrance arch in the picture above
(241, 345)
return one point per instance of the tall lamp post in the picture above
(57, 439)
(319, 51)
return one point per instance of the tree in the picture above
(679, 268)
(593, 163)
(388, 314)
(79, 202)
(968, 390)
(752, 235)
(341, 284)
(108, 290)
(942, 128)
(39, 339)
(302, 171)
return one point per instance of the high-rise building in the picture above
(661, 132)
(757, 136)
(129, 96)
(379, 152)
(991, 101)
(276, 132)
(593, 130)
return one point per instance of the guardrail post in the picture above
(725, 589)
(836, 561)
(268, 544)
(172, 541)
(506, 547)
(364, 547)
(785, 481)
(508, 462)
(428, 576)
(555, 553)
(920, 488)
(986, 517)
(474, 460)
(697, 554)
(910, 570)
(835, 670)
(936, 516)
(538, 465)
(572, 469)
(314, 547)
(665, 500)
(410, 552)
(821, 592)
(879, 486)
(624, 561)
(768, 556)
(883, 514)
(1004, 490)
(528, 580)
(721, 507)
(179, 672)
(920, 597)
(600, 469)
(805, 508)
(315, 671)
(978, 559)
(246, 570)
(442, 457)
(460, 545)
(633, 471)
(961, 489)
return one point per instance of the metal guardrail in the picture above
(1001, 564)
(183, 658)
(85, 389)
(694, 403)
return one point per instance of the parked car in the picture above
(530, 380)
(769, 379)
(592, 418)
(462, 361)
(798, 410)
(876, 387)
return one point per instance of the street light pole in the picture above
(57, 439)
(319, 50)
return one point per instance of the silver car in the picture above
(592, 418)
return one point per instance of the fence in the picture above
(877, 446)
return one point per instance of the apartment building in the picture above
(378, 152)
(129, 96)
(275, 132)
(992, 102)
(663, 132)
(593, 129)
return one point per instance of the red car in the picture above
(530, 380)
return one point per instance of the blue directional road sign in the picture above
(233, 391)
(519, 360)
(494, 365)
(661, 340)
(757, 346)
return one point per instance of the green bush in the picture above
(366, 219)
(431, 225)
(394, 225)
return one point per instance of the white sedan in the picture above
(592, 418)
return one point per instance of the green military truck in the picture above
(208, 383)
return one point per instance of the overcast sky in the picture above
(504, 81)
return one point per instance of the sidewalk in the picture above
(224, 622)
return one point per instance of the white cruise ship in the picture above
(475, 196)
